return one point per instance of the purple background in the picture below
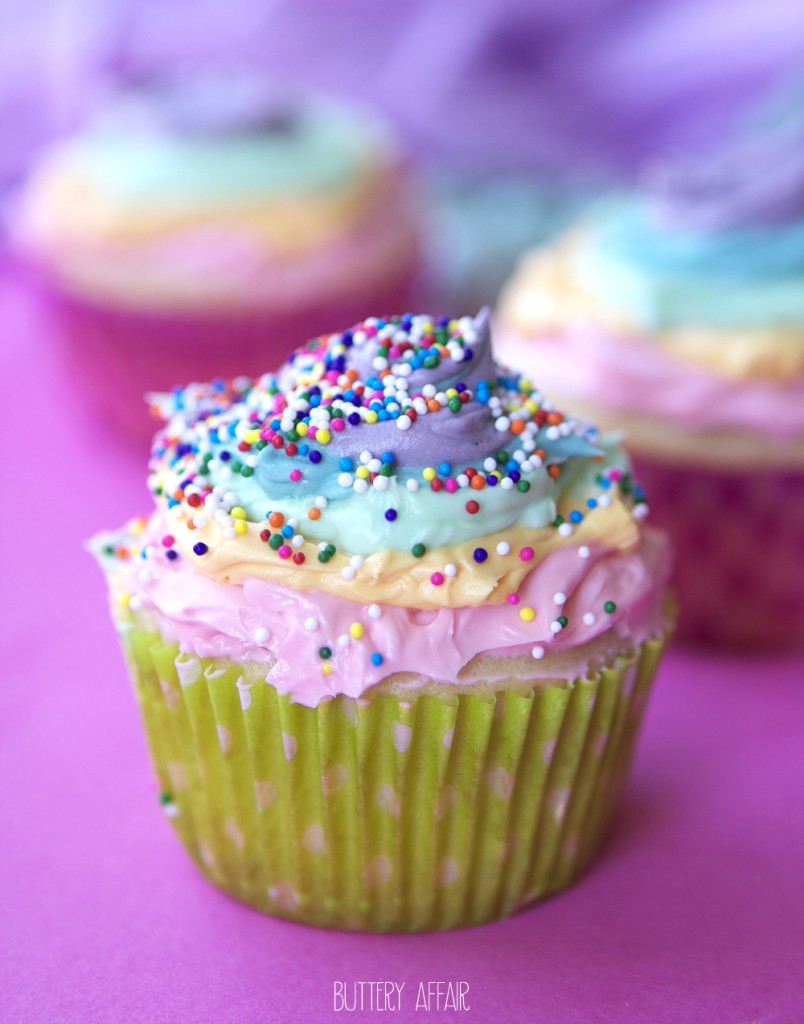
(549, 86)
(694, 913)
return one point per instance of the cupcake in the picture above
(391, 628)
(199, 227)
(677, 314)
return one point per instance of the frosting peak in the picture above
(391, 456)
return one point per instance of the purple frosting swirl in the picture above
(756, 181)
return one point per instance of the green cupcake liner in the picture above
(389, 813)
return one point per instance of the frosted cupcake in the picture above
(199, 228)
(391, 627)
(678, 315)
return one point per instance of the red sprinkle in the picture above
(194, 500)
(298, 558)
(472, 507)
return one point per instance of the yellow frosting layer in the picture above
(545, 295)
(399, 578)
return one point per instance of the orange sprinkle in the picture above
(314, 513)
(554, 471)
(554, 418)
(517, 426)
(276, 519)
(478, 482)
(433, 405)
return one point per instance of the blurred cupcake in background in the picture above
(678, 314)
(203, 226)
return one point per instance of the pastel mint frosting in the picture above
(712, 240)
(664, 275)
(386, 425)
(215, 137)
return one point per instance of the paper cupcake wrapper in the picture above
(739, 551)
(386, 814)
(115, 355)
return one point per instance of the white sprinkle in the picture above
(429, 391)
(502, 423)
(375, 612)
(135, 603)
(604, 500)
(566, 529)
(344, 640)
(537, 652)
(556, 627)
(230, 533)
(506, 483)
(374, 465)
(297, 541)
(322, 545)
(311, 624)
(260, 634)
(360, 486)
(380, 363)
(366, 457)
(589, 619)
(503, 547)
(404, 422)
(144, 575)
(345, 479)
(640, 511)
(412, 485)
(462, 480)
(380, 483)
(489, 464)
(559, 598)
(348, 572)
(584, 551)
(356, 561)
(200, 520)
(450, 570)
(321, 501)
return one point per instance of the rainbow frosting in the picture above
(221, 192)
(683, 302)
(391, 504)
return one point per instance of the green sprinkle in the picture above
(247, 471)
(562, 620)
(261, 444)
(165, 798)
(324, 556)
(609, 607)
(325, 652)
(418, 550)
(455, 404)
(330, 549)
(522, 485)
(276, 540)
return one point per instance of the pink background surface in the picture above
(694, 912)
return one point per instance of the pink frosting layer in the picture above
(223, 265)
(211, 619)
(636, 376)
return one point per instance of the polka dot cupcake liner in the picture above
(387, 813)
(738, 539)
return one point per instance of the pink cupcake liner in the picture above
(114, 355)
(739, 551)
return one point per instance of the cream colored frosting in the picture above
(547, 294)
